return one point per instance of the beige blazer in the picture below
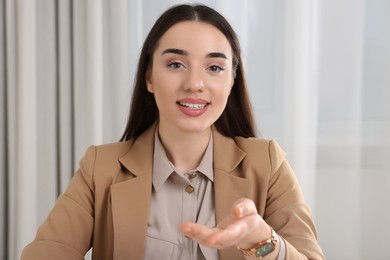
(107, 203)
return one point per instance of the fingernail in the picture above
(240, 212)
(187, 229)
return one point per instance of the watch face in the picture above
(265, 249)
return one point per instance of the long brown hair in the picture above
(235, 120)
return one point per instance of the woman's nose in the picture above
(194, 81)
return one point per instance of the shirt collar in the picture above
(163, 168)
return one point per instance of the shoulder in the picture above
(107, 151)
(262, 150)
(252, 143)
(116, 149)
(103, 159)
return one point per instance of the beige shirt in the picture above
(176, 198)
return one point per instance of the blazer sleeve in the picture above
(286, 210)
(67, 231)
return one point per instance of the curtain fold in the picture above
(3, 138)
(317, 73)
(65, 131)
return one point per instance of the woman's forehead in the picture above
(195, 36)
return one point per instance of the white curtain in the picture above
(65, 85)
(319, 79)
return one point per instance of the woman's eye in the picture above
(216, 68)
(175, 65)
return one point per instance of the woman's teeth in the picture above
(192, 106)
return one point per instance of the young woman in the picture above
(188, 180)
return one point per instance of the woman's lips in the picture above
(193, 107)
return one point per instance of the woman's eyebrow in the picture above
(185, 53)
(175, 51)
(217, 55)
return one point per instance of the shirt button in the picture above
(189, 189)
(192, 175)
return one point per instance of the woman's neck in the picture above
(185, 150)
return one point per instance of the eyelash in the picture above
(212, 68)
(216, 68)
(175, 65)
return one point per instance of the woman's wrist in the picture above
(262, 232)
(267, 248)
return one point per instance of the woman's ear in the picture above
(232, 83)
(149, 84)
(234, 74)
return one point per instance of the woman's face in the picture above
(191, 76)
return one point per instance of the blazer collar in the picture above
(131, 197)
(229, 186)
(227, 155)
(139, 159)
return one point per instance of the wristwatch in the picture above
(262, 248)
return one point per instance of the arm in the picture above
(287, 212)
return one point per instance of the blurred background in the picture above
(319, 78)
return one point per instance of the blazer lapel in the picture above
(130, 211)
(130, 198)
(228, 185)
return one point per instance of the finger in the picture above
(213, 237)
(199, 233)
(243, 207)
(221, 237)
(229, 235)
(237, 230)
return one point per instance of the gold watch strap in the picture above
(262, 248)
